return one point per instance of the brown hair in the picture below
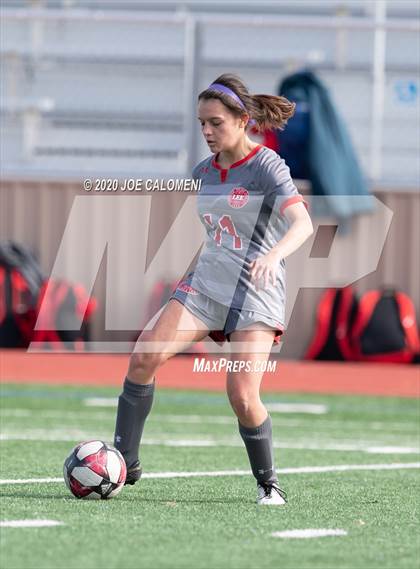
(268, 111)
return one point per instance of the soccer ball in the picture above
(94, 469)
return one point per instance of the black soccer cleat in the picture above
(133, 473)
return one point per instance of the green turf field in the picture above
(212, 521)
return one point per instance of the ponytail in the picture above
(265, 111)
(271, 111)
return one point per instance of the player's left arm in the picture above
(300, 228)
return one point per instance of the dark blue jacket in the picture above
(318, 135)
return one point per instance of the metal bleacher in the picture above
(109, 88)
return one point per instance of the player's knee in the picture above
(241, 404)
(244, 404)
(145, 363)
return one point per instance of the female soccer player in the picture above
(254, 218)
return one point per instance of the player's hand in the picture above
(263, 270)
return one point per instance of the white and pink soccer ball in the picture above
(95, 469)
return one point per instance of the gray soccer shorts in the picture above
(220, 319)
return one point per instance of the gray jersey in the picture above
(242, 210)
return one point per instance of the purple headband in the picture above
(223, 89)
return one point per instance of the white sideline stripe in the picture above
(307, 533)
(30, 480)
(298, 470)
(311, 408)
(75, 435)
(101, 401)
(29, 523)
(305, 445)
(210, 419)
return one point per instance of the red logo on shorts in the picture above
(184, 287)
(238, 197)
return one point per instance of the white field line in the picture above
(30, 480)
(29, 523)
(89, 415)
(298, 470)
(301, 445)
(166, 440)
(310, 408)
(308, 533)
(101, 401)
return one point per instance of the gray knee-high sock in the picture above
(259, 445)
(134, 405)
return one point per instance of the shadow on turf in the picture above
(36, 496)
(173, 501)
(165, 501)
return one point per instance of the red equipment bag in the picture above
(385, 328)
(380, 326)
(20, 281)
(62, 310)
(335, 314)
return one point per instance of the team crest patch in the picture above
(185, 287)
(238, 197)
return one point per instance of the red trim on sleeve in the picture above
(292, 200)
